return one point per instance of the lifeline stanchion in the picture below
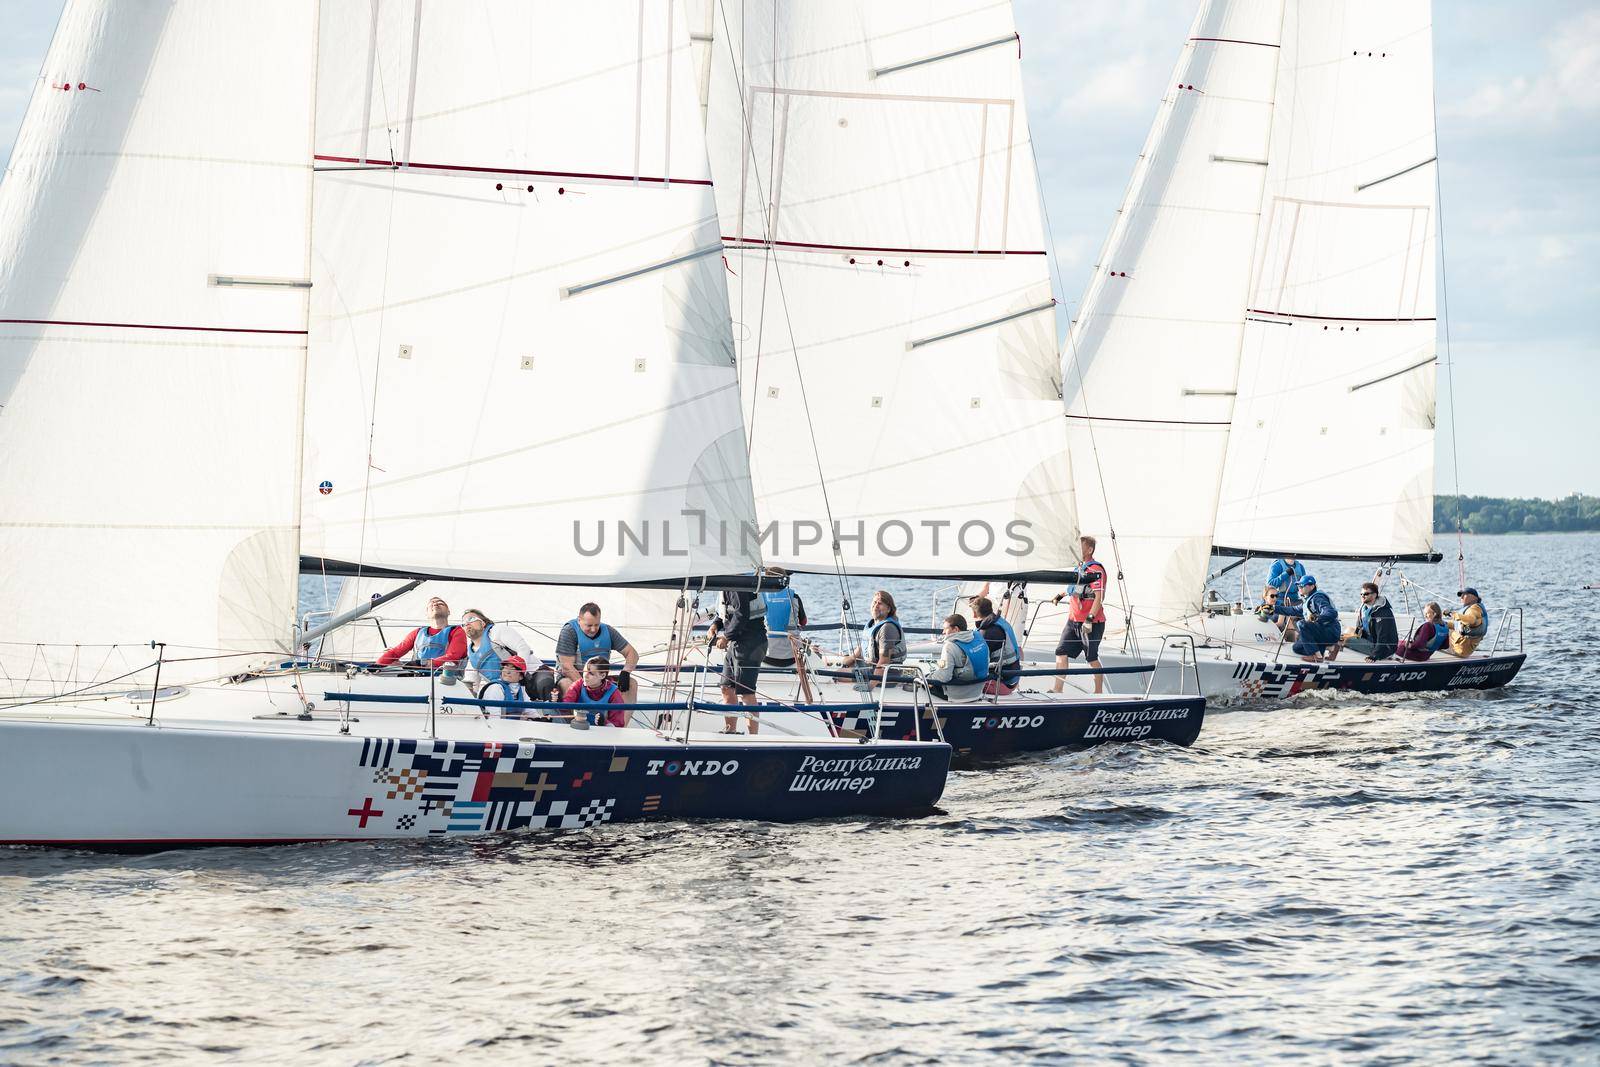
(155, 690)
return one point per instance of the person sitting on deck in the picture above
(963, 664)
(1086, 617)
(883, 640)
(597, 688)
(489, 644)
(742, 631)
(786, 613)
(1471, 623)
(1005, 659)
(586, 637)
(1319, 627)
(439, 645)
(1428, 638)
(1375, 635)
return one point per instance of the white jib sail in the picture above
(153, 257)
(1151, 367)
(1332, 447)
(521, 363)
(889, 286)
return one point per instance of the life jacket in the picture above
(1096, 613)
(779, 610)
(504, 690)
(1482, 628)
(1286, 583)
(590, 647)
(485, 658)
(977, 650)
(603, 698)
(1010, 651)
(1441, 634)
(896, 654)
(428, 646)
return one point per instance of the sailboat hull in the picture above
(1012, 726)
(1242, 678)
(144, 788)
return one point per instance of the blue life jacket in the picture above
(603, 698)
(484, 659)
(504, 690)
(1482, 628)
(590, 647)
(431, 646)
(1015, 655)
(780, 608)
(871, 631)
(977, 650)
(1441, 634)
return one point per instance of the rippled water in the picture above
(1344, 878)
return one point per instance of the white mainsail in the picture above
(889, 286)
(520, 350)
(1151, 365)
(1332, 446)
(1252, 368)
(153, 250)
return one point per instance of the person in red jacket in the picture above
(433, 646)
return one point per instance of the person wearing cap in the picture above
(1469, 625)
(435, 646)
(1319, 624)
(509, 686)
(489, 643)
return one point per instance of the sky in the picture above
(1519, 147)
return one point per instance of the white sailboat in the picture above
(364, 287)
(1253, 369)
(889, 282)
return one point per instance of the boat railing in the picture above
(1504, 629)
(1191, 659)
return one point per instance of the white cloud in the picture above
(1566, 88)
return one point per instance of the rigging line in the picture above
(1450, 382)
(811, 429)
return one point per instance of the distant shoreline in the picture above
(1499, 515)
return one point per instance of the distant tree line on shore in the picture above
(1497, 515)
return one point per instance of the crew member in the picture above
(963, 663)
(1086, 617)
(785, 646)
(585, 637)
(1319, 626)
(1470, 624)
(1376, 634)
(489, 644)
(1005, 657)
(883, 641)
(435, 646)
(742, 631)
(595, 690)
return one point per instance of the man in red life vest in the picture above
(433, 646)
(1086, 616)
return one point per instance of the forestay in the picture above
(153, 256)
(520, 338)
(889, 285)
(1152, 363)
(1332, 448)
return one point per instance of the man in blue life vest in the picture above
(586, 637)
(1319, 624)
(489, 643)
(786, 612)
(963, 663)
(1005, 658)
(742, 631)
(432, 647)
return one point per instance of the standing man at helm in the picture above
(585, 637)
(434, 646)
(1086, 616)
